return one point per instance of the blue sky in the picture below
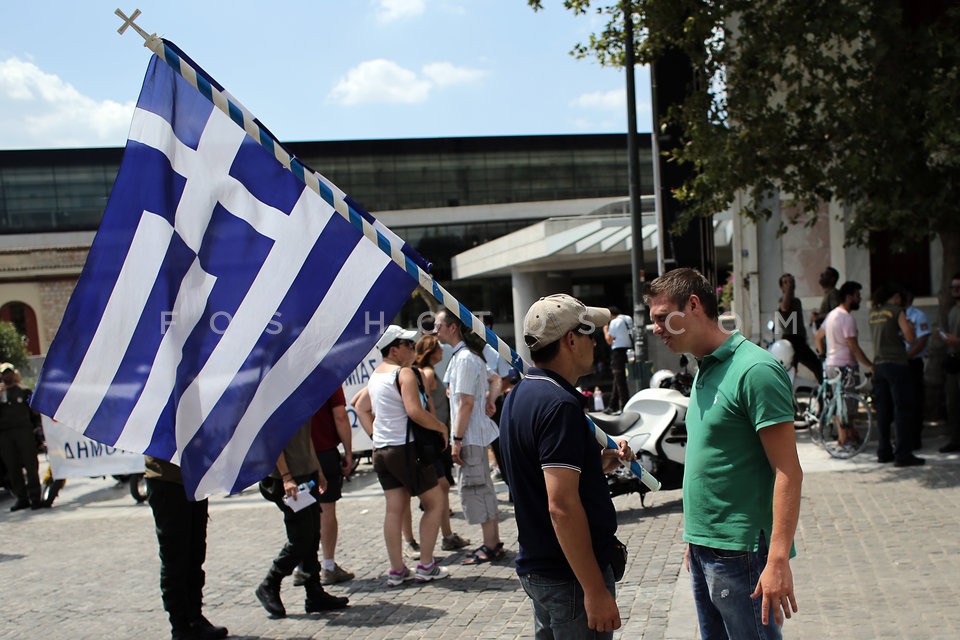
(321, 70)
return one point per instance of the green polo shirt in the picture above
(727, 480)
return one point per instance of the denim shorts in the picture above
(558, 607)
(722, 583)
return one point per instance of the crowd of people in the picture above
(742, 482)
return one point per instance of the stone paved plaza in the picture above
(878, 557)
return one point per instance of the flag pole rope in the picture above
(336, 198)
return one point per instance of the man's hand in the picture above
(290, 488)
(346, 464)
(490, 407)
(321, 482)
(602, 613)
(613, 458)
(455, 452)
(776, 588)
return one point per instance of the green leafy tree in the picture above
(853, 100)
(13, 346)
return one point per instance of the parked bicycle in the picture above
(840, 413)
(804, 389)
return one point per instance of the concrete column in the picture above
(746, 284)
(528, 287)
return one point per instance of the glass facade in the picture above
(67, 189)
(57, 190)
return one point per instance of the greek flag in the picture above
(221, 303)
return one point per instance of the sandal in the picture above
(483, 554)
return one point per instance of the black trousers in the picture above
(893, 397)
(618, 366)
(303, 537)
(18, 448)
(806, 356)
(919, 391)
(182, 535)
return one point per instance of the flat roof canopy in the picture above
(572, 242)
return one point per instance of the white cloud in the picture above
(445, 74)
(392, 10)
(380, 81)
(38, 109)
(385, 81)
(615, 99)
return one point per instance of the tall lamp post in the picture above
(636, 213)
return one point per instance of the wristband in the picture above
(457, 439)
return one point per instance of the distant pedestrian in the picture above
(916, 354)
(19, 425)
(428, 354)
(789, 320)
(742, 476)
(892, 387)
(619, 335)
(181, 526)
(391, 397)
(297, 466)
(471, 386)
(566, 520)
(831, 296)
(329, 428)
(837, 341)
(496, 364)
(951, 368)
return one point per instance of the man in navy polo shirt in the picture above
(565, 517)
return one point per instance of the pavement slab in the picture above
(878, 557)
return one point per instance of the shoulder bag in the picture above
(427, 443)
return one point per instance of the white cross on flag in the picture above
(221, 304)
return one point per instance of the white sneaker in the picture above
(435, 572)
(397, 579)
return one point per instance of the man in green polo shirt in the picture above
(742, 477)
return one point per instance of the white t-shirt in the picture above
(467, 374)
(390, 416)
(838, 326)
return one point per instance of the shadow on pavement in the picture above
(665, 505)
(380, 613)
(935, 474)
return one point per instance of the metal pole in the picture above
(636, 211)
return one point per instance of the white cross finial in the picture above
(130, 22)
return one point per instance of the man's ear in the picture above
(694, 303)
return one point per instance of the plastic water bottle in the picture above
(631, 355)
(304, 487)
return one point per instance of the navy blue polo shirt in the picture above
(543, 425)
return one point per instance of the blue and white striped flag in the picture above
(221, 303)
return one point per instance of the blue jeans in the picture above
(722, 583)
(558, 607)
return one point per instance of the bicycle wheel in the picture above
(846, 429)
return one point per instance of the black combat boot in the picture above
(268, 593)
(319, 600)
(203, 629)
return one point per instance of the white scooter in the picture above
(654, 424)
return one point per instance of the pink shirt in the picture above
(838, 326)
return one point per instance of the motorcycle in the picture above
(653, 422)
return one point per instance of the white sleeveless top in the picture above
(390, 421)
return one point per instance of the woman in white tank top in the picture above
(386, 407)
